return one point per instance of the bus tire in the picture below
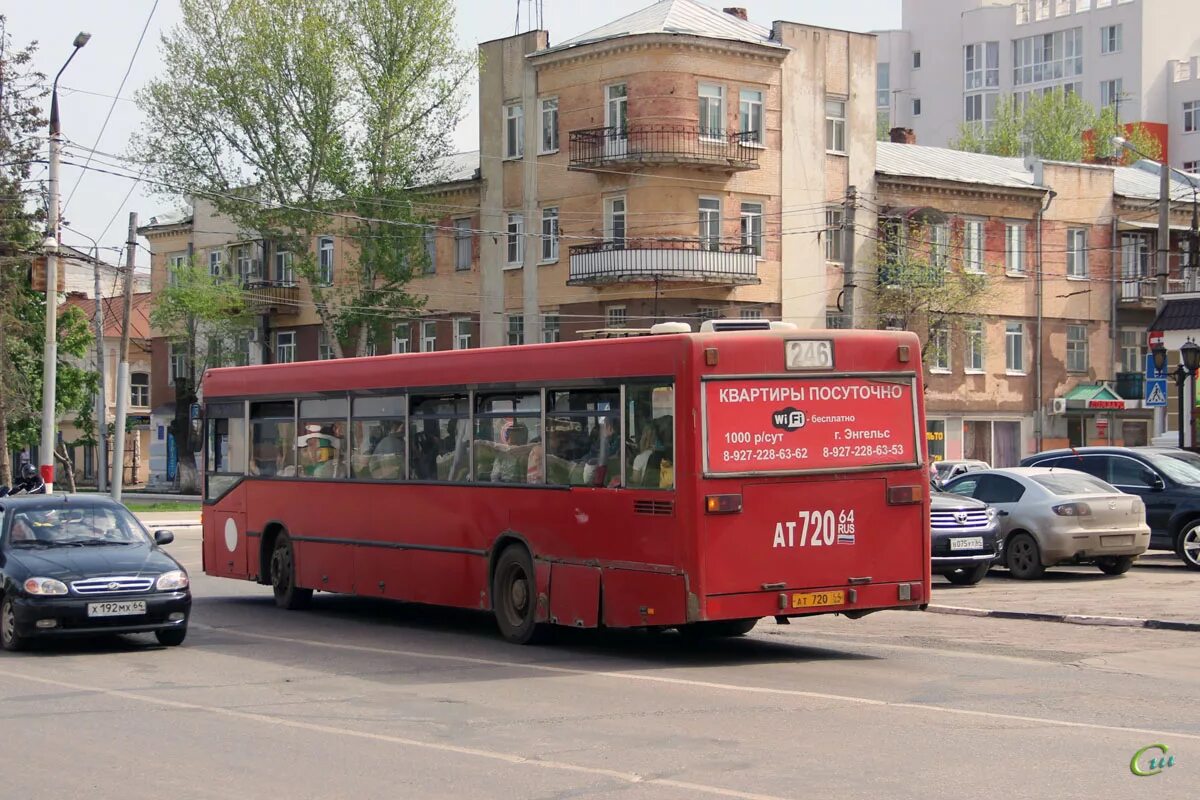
(514, 596)
(721, 628)
(283, 576)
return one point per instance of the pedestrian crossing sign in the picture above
(1156, 393)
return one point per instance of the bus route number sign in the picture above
(809, 354)
(803, 424)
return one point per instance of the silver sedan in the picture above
(1059, 516)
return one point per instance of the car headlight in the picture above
(175, 579)
(43, 586)
(991, 514)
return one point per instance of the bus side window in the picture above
(225, 447)
(583, 437)
(377, 438)
(650, 436)
(441, 439)
(272, 439)
(508, 438)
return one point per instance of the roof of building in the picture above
(1143, 182)
(166, 220)
(682, 17)
(1181, 314)
(458, 167)
(114, 313)
(941, 163)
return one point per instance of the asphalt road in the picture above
(358, 699)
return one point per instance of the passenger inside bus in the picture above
(320, 452)
(386, 461)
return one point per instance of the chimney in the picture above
(738, 12)
(903, 136)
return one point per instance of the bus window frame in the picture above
(239, 476)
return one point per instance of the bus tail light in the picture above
(723, 504)
(904, 495)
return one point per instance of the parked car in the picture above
(1166, 479)
(72, 565)
(949, 470)
(1059, 516)
(965, 537)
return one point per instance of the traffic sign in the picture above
(1156, 393)
(1151, 372)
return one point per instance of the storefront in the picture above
(999, 440)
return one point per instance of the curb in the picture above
(1070, 619)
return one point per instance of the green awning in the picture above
(1092, 391)
(1097, 397)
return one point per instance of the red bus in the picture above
(692, 480)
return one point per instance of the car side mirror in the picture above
(163, 537)
(1158, 484)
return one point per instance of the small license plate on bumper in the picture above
(969, 543)
(117, 608)
(817, 599)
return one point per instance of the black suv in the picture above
(1167, 480)
(965, 537)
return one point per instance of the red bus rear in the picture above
(699, 481)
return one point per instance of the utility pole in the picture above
(1164, 233)
(848, 285)
(101, 389)
(118, 476)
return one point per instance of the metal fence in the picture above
(664, 144)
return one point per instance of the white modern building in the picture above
(953, 60)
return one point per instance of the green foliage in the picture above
(1137, 135)
(203, 313)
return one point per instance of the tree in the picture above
(298, 118)
(207, 316)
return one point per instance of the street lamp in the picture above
(50, 348)
(1189, 365)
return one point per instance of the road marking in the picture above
(494, 755)
(729, 687)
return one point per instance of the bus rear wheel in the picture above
(283, 576)
(514, 596)
(718, 628)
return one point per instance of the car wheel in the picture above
(1187, 545)
(9, 638)
(968, 576)
(717, 629)
(283, 576)
(171, 637)
(1114, 565)
(514, 597)
(1023, 557)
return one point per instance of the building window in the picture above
(514, 131)
(1110, 39)
(551, 328)
(980, 109)
(401, 343)
(916, 59)
(216, 263)
(1077, 262)
(324, 348)
(712, 110)
(614, 220)
(139, 389)
(710, 223)
(285, 347)
(549, 140)
(428, 336)
(429, 244)
(371, 348)
(179, 361)
(1191, 116)
(284, 272)
(1133, 354)
(175, 265)
(247, 269)
(883, 85)
(516, 239)
(752, 227)
(835, 126)
(835, 320)
(981, 65)
(975, 346)
(615, 317)
(1077, 348)
(462, 244)
(462, 333)
(516, 329)
(1014, 249)
(550, 234)
(834, 220)
(939, 349)
(1048, 57)
(1110, 92)
(939, 246)
(241, 351)
(1191, 166)
(973, 246)
(750, 113)
(325, 260)
(750, 313)
(705, 313)
(1014, 347)
(916, 106)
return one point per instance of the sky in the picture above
(114, 65)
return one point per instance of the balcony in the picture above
(654, 144)
(652, 260)
(271, 297)
(1130, 385)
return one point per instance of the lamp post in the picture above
(50, 245)
(1189, 365)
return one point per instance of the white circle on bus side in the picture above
(231, 535)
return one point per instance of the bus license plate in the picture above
(816, 599)
(120, 608)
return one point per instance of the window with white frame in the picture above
(325, 260)
(428, 336)
(710, 223)
(462, 244)
(1133, 353)
(1191, 116)
(916, 106)
(973, 245)
(979, 109)
(324, 348)
(916, 60)
(981, 65)
(551, 328)
(284, 273)
(401, 338)
(1041, 9)
(549, 139)
(429, 245)
(1110, 92)
(246, 268)
(1110, 39)
(550, 234)
(1014, 347)
(835, 126)
(750, 313)
(939, 246)
(179, 361)
(615, 317)
(704, 313)
(975, 346)
(883, 85)
(285, 347)
(1014, 249)
(1191, 166)
(514, 130)
(712, 110)
(1048, 57)
(614, 220)
(939, 348)
(1077, 260)
(750, 115)
(216, 263)
(175, 265)
(1077, 348)
(462, 333)
(516, 239)
(139, 389)
(752, 227)
(516, 329)
(834, 220)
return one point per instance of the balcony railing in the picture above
(1130, 385)
(648, 260)
(910, 276)
(272, 297)
(650, 143)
